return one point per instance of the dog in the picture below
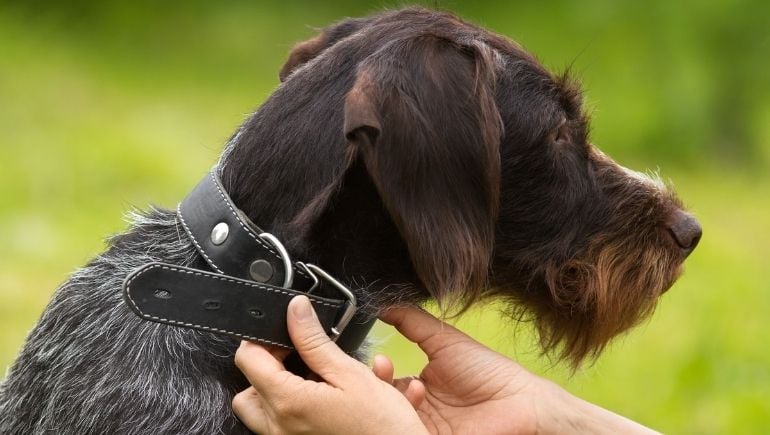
(414, 156)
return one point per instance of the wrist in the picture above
(595, 419)
(562, 412)
(556, 411)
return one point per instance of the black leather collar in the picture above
(252, 279)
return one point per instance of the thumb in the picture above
(315, 348)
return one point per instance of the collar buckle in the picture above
(315, 272)
(350, 307)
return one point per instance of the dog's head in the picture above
(431, 158)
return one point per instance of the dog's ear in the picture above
(301, 53)
(422, 117)
(307, 50)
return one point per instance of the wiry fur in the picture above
(595, 295)
(410, 153)
(96, 368)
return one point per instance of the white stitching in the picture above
(244, 226)
(238, 218)
(192, 236)
(141, 271)
(227, 279)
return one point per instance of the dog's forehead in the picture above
(561, 93)
(527, 90)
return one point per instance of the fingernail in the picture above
(302, 308)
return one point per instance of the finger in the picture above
(280, 353)
(247, 407)
(315, 347)
(258, 365)
(382, 367)
(412, 388)
(415, 393)
(422, 328)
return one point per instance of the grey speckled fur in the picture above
(90, 366)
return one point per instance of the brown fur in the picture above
(449, 164)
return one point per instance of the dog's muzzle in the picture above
(252, 279)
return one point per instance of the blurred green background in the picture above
(107, 105)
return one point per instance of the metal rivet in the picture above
(261, 270)
(162, 294)
(219, 233)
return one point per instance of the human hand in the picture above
(468, 388)
(351, 400)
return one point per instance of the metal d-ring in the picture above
(350, 309)
(288, 277)
(311, 274)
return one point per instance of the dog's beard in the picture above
(610, 289)
(579, 304)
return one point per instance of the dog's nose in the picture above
(685, 230)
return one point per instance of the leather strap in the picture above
(227, 300)
(211, 302)
(209, 205)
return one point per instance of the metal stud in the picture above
(261, 270)
(219, 233)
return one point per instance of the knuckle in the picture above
(315, 341)
(287, 407)
(240, 359)
(295, 406)
(240, 401)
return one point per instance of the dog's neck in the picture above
(296, 184)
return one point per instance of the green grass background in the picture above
(107, 105)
